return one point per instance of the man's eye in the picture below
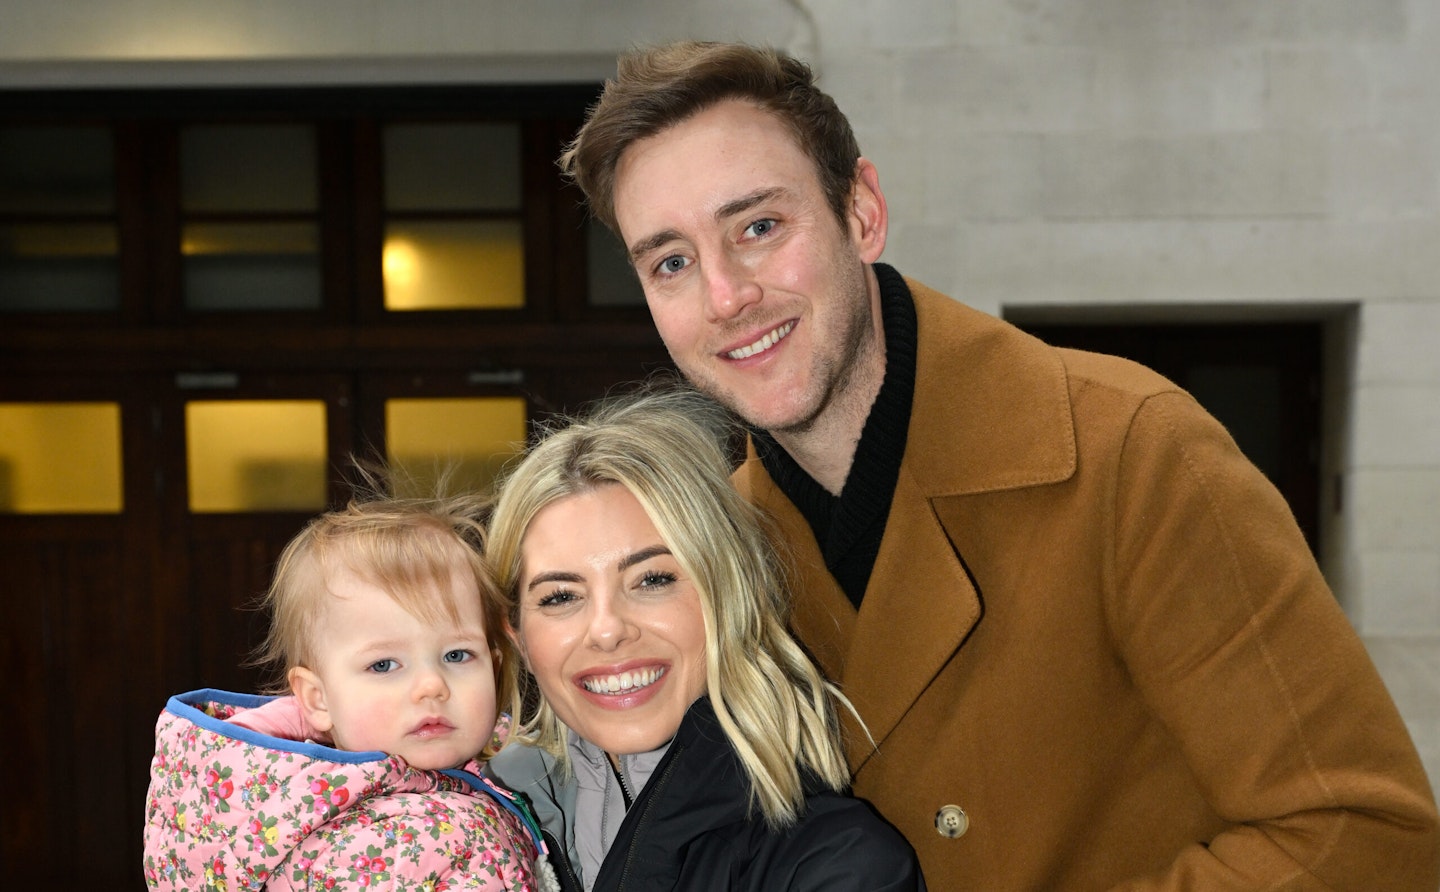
(760, 228)
(458, 655)
(673, 264)
(382, 666)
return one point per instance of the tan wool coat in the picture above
(1095, 629)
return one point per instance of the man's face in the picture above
(761, 295)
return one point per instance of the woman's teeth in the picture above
(625, 681)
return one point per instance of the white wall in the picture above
(1247, 156)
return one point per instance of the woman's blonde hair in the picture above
(409, 547)
(667, 446)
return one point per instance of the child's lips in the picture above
(432, 727)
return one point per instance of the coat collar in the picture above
(991, 412)
(992, 404)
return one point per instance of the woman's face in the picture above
(609, 625)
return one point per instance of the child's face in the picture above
(384, 680)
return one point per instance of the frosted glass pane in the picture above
(613, 282)
(464, 265)
(471, 437)
(251, 266)
(256, 455)
(269, 168)
(57, 170)
(462, 167)
(60, 458)
(59, 267)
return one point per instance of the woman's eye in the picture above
(556, 598)
(656, 579)
(673, 264)
(382, 666)
(759, 228)
(458, 655)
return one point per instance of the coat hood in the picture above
(227, 806)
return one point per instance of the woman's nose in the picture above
(610, 626)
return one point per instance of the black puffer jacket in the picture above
(691, 827)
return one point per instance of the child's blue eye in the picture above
(382, 666)
(458, 656)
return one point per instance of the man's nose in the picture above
(730, 286)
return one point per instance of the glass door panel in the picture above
(59, 267)
(454, 167)
(57, 170)
(456, 265)
(464, 440)
(256, 455)
(248, 168)
(251, 266)
(59, 247)
(250, 229)
(60, 458)
(613, 282)
(453, 232)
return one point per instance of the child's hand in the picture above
(281, 717)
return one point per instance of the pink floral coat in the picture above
(231, 809)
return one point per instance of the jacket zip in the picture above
(619, 772)
(561, 862)
(653, 789)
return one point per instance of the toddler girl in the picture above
(369, 774)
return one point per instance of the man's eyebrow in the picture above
(746, 202)
(645, 246)
(728, 209)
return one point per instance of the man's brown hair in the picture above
(658, 87)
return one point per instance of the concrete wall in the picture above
(1242, 158)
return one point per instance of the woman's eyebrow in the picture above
(642, 555)
(553, 576)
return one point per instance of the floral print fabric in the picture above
(231, 809)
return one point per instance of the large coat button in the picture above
(951, 821)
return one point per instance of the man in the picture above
(1085, 634)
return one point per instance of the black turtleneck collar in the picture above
(849, 527)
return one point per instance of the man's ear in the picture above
(309, 692)
(869, 216)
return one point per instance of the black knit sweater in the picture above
(849, 527)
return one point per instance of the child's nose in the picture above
(431, 685)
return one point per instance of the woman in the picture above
(678, 738)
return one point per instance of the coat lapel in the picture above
(965, 437)
(919, 608)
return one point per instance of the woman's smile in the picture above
(622, 682)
